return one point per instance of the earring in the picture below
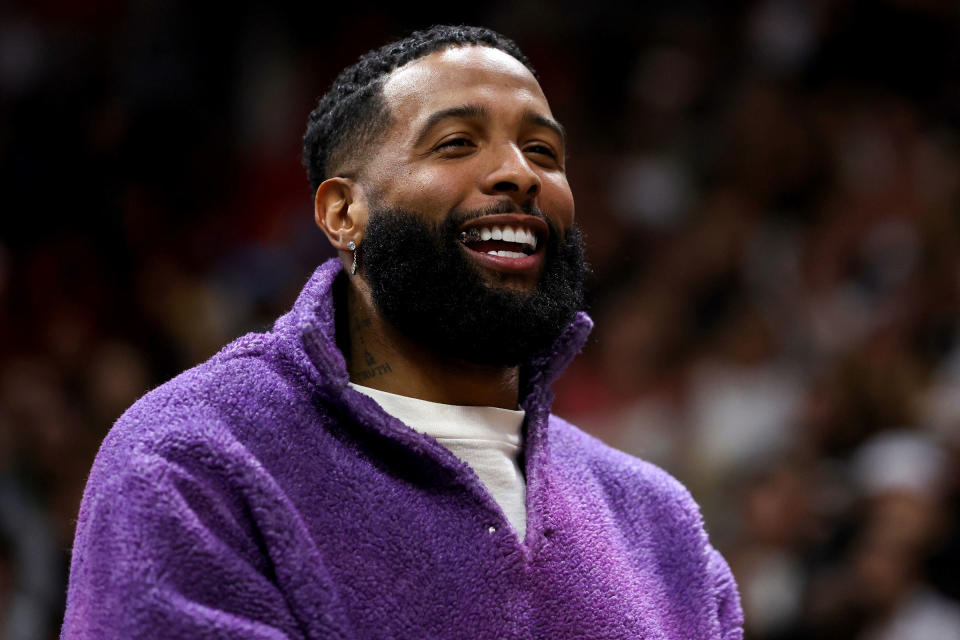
(353, 247)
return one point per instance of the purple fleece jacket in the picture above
(259, 496)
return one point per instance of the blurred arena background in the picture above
(770, 192)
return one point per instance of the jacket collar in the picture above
(311, 323)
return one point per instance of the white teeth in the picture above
(508, 254)
(508, 234)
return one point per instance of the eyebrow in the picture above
(479, 112)
(549, 123)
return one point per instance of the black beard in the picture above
(425, 286)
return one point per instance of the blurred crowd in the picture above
(770, 193)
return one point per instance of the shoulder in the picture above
(644, 502)
(218, 406)
(203, 433)
(600, 463)
(180, 501)
(654, 513)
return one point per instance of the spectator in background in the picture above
(879, 591)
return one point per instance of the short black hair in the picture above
(352, 113)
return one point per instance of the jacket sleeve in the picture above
(161, 552)
(729, 610)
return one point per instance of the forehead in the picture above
(457, 76)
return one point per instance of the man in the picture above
(383, 463)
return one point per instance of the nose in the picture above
(512, 175)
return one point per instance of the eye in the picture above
(541, 149)
(454, 143)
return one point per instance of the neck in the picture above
(382, 358)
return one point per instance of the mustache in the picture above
(461, 216)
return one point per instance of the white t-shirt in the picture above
(486, 438)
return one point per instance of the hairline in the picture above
(385, 116)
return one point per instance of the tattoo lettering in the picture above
(372, 368)
(373, 372)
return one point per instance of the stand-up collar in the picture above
(311, 322)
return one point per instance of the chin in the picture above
(515, 283)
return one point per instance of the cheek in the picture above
(430, 189)
(557, 200)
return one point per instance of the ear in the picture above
(340, 210)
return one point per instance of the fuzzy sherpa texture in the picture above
(259, 496)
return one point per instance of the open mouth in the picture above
(511, 236)
(501, 240)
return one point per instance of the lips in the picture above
(506, 242)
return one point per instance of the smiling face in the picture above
(472, 139)
(472, 164)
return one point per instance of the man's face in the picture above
(470, 247)
(472, 132)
